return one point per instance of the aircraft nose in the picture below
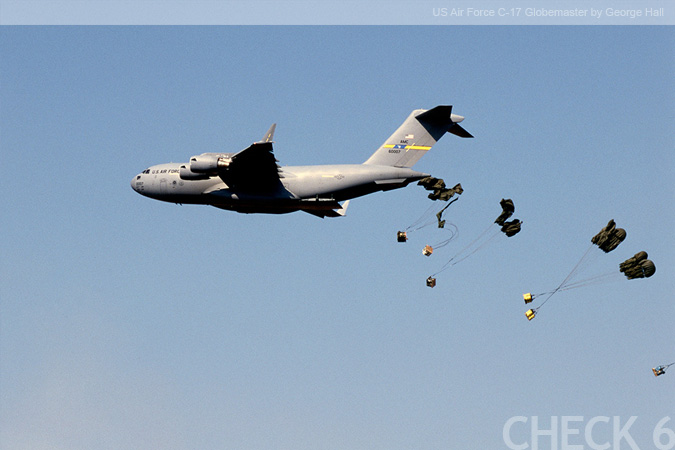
(133, 182)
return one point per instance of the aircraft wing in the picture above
(253, 169)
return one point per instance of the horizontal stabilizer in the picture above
(459, 131)
(442, 116)
(439, 115)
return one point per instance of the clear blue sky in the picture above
(131, 323)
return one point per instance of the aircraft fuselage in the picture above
(303, 187)
(251, 181)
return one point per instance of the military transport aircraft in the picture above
(251, 181)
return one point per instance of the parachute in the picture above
(507, 211)
(440, 192)
(660, 370)
(638, 266)
(609, 237)
(511, 228)
(439, 214)
(607, 240)
(508, 228)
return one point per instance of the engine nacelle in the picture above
(187, 174)
(209, 162)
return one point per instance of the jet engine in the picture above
(209, 162)
(187, 174)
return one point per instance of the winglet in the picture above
(270, 134)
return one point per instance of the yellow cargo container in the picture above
(530, 314)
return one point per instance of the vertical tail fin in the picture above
(420, 131)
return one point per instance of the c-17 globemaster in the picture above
(250, 181)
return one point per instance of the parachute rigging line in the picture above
(660, 370)
(450, 263)
(424, 217)
(454, 231)
(567, 279)
(598, 279)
